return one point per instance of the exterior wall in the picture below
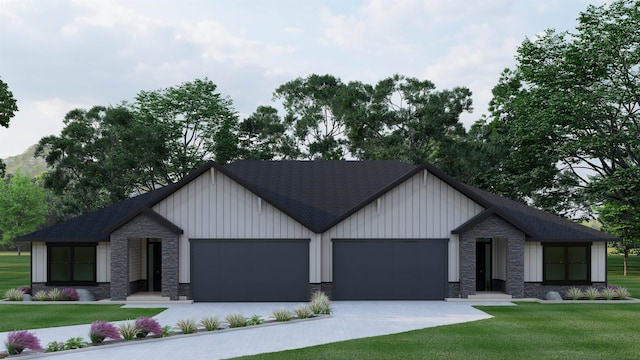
(537, 290)
(100, 292)
(135, 259)
(103, 262)
(418, 208)
(236, 213)
(38, 262)
(514, 243)
(139, 227)
(499, 258)
(533, 262)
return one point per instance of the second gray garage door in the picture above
(249, 270)
(393, 269)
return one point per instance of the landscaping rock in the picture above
(85, 295)
(552, 295)
(26, 297)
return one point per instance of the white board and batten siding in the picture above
(533, 261)
(214, 206)
(39, 262)
(423, 207)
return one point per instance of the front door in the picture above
(154, 264)
(483, 265)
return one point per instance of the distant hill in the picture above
(26, 163)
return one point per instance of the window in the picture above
(567, 263)
(71, 263)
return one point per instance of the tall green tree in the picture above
(407, 119)
(310, 104)
(264, 136)
(197, 122)
(569, 113)
(102, 155)
(622, 221)
(22, 207)
(8, 109)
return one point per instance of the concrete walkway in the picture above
(350, 320)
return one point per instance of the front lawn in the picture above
(34, 316)
(615, 277)
(14, 270)
(526, 331)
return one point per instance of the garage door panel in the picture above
(250, 270)
(390, 269)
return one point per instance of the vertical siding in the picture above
(499, 259)
(103, 262)
(135, 259)
(39, 262)
(454, 258)
(215, 206)
(599, 261)
(411, 210)
(533, 261)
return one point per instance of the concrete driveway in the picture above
(350, 320)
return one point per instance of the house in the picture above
(278, 230)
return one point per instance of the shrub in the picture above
(608, 293)
(54, 346)
(210, 323)
(320, 303)
(13, 295)
(40, 295)
(54, 294)
(187, 326)
(166, 331)
(25, 289)
(146, 326)
(18, 341)
(255, 320)
(303, 311)
(623, 293)
(128, 330)
(101, 330)
(236, 320)
(74, 343)
(574, 293)
(591, 293)
(69, 294)
(282, 314)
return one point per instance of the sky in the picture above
(57, 56)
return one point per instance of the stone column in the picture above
(515, 265)
(170, 265)
(119, 268)
(467, 264)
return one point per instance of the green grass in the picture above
(526, 331)
(14, 270)
(34, 316)
(615, 277)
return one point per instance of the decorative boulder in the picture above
(85, 295)
(26, 297)
(552, 295)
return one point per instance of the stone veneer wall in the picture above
(100, 291)
(454, 290)
(184, 289)
(537, 290)
(493, 227)
(326, 288)
(143, 226)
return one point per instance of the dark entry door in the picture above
(483, 265)
(154, 264)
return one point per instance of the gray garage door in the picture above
(249, 270)
(390, 269)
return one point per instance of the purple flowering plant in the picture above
(101, 330)
(69, 294)
(146, 326)
(17, 341)
(25, 289)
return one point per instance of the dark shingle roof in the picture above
(320, 194)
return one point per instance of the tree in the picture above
(102, 156)
(22, 207)
(406, 119)
(570, 113)
(263, 136)
(623, 221)
(310, 105)
(8, 109)
(198, 125)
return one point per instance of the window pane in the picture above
(577, 255)
(84, 264)
(578, 272)
(554, 272)
(554, 254)
(60, 266)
